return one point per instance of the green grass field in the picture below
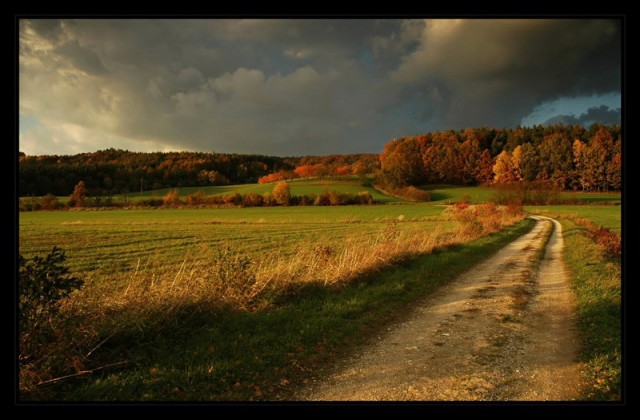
(441, 194)
(597, 281)
(109, 249)
(115, 240)
(264, 355)
(233, 354)
(607, 216)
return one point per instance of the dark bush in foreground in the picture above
(44, 282)
(45, 342)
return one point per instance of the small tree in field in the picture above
(195, 198)
(282, 193)
(77, 199)
(172, 198)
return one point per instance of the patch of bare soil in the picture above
(503, 330)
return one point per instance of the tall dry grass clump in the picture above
(331, 265)
(482, 219)
(609, 242)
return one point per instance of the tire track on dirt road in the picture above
(503, 330)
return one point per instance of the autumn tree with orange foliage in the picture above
(504, 170)
(526, 162)
(277, 176)
(77, 199)
(470, 159)
(282, 193)
(401, 164)
(484, 174)
(308, 171)
(556, 164)
(343, 170)
(172, 198)
(614, 171)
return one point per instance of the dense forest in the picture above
(565, 157)
(114, 171)
(568, 157)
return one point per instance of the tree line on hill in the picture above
(567, 157)
(112, 171)
(562, 157)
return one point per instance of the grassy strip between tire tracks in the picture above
(267, 354)
(597, 284)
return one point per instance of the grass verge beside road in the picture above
(596, 278)
(597, 284)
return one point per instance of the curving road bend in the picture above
(503, 330)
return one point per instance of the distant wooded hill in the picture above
(114, 171)
(569, 157)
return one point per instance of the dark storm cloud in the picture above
(47, 28)
(602, 114)
(81, 58)
(296, 86)
(494, 71)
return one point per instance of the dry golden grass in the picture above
(225, 276)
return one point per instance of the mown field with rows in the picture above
(113, 241)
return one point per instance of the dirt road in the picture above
(504, 330)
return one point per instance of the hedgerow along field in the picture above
(299, 187)
(440, 193)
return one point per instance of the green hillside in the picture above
(311, 187)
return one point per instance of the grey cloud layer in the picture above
(298, 87)
(602, 114)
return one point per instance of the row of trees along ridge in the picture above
(569, 157)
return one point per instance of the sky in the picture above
(304, 87)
